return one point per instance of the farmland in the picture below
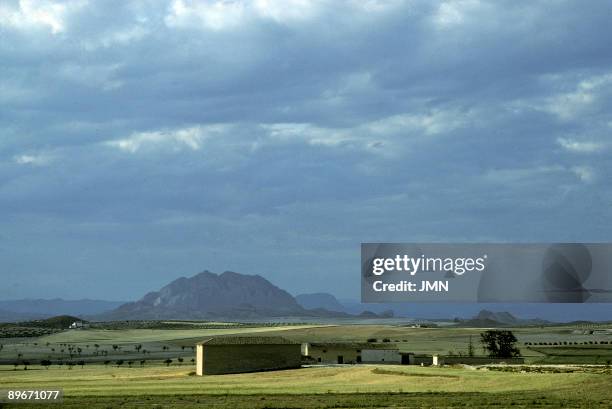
(321, 386)
(105, 367)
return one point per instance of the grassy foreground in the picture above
(318, 387)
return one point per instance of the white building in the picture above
(381, 355)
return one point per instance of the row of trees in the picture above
(561, 343)
(70, 364)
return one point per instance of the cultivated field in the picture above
(142, 379)
(322, 386)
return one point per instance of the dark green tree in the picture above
(499, 344)
(470, 347)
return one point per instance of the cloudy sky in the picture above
(143, 141)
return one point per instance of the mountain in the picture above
(319, 300)
(486, 318)
(11, 316)
(208, 295)
(40, 308)
(503, 317)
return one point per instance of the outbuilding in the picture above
(351, 352)
(234, 354)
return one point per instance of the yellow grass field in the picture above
(162, 380)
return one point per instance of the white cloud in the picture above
(530, 174)
(287, 10)
(218, 15)
(121, 37)
(452, 13)
(431, 123)
(311, 134)
(36, 13)
(580, 146)
(175, 140)
(584, 173)
(228, 14)
(572, 104)
(33, 159)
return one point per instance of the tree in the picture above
(499, 344)
(46, 363)
(470, 347)
(119, 362)
(168, 362)
(180, 361)
(25, 365)
(82, 363)
(106, 363)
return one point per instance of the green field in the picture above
(101, 385)
(142, 385)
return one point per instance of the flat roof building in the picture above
(235, 354)
(351, 352)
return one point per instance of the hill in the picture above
(211, 296)
(486, 318)
(59, 322)
(24, 309)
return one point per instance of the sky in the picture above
(144, 141)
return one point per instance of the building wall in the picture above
(329, 355)
(223, 359)
(381, 355)
(199, 359)
(477, 360)
(422, 360)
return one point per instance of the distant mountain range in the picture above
(238, 296)
(486, 318)
(530, 313)
(210, 296)
(27, 309)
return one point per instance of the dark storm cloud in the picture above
(154, 139)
